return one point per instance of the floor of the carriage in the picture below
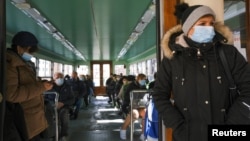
(99, 122)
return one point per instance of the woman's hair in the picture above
(141, 76)
(31, 50)
(25, 39)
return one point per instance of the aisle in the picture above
(98, 122)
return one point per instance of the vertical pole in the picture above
(247, 3)
(131, 116)
(165, 20)
(2, 65)
(158, 54)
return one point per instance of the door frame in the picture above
(100, 90)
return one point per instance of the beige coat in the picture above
(27, 91)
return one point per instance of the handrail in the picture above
(55, 109)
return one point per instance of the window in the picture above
(83, 69)
(44, 68)
(68, 69)
(120, 69)
(58, 67)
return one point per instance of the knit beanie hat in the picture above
(192, 14)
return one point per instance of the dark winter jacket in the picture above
(78, 87)
(66, 95)
(132, 86)
(193, 75)
(110, 83)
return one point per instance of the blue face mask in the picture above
(203, 34)
(26, 56)
(59, 81)
(142, 82)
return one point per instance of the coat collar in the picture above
(14, 59)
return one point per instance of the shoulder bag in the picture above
(233, 91)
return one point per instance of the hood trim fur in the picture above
(219, 27)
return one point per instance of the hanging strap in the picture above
(232, 86)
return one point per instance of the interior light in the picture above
(35, 14)
(22, 6)
(147, 17)
(134, 36)
(140, 27)
(48, 26)
(130, 42)
(19, 1)
(58, 36)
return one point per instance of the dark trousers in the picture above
(109, 93)
(63, 114)
(86, 99)
(36, 138)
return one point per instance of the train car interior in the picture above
(97, 38)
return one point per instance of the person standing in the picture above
(78, 88)
(86, 93)
(110, 87)
(191, 71)
(24, 90)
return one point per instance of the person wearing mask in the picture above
(192, 72)
(124, 107)
(24, 90)
(66, 99)
(139, 83)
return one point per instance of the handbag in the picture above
(233, 91)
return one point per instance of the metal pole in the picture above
(56, 113)
(2, 66)
(158, 55)
(131, 117)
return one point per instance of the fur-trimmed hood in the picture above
(179, 39)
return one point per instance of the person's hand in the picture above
(59, 105)
(48, 85)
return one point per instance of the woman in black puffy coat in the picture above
(192, 73)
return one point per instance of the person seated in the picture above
(66, 99)
(139, 83)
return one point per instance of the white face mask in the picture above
(203, 34)
(59, 81)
